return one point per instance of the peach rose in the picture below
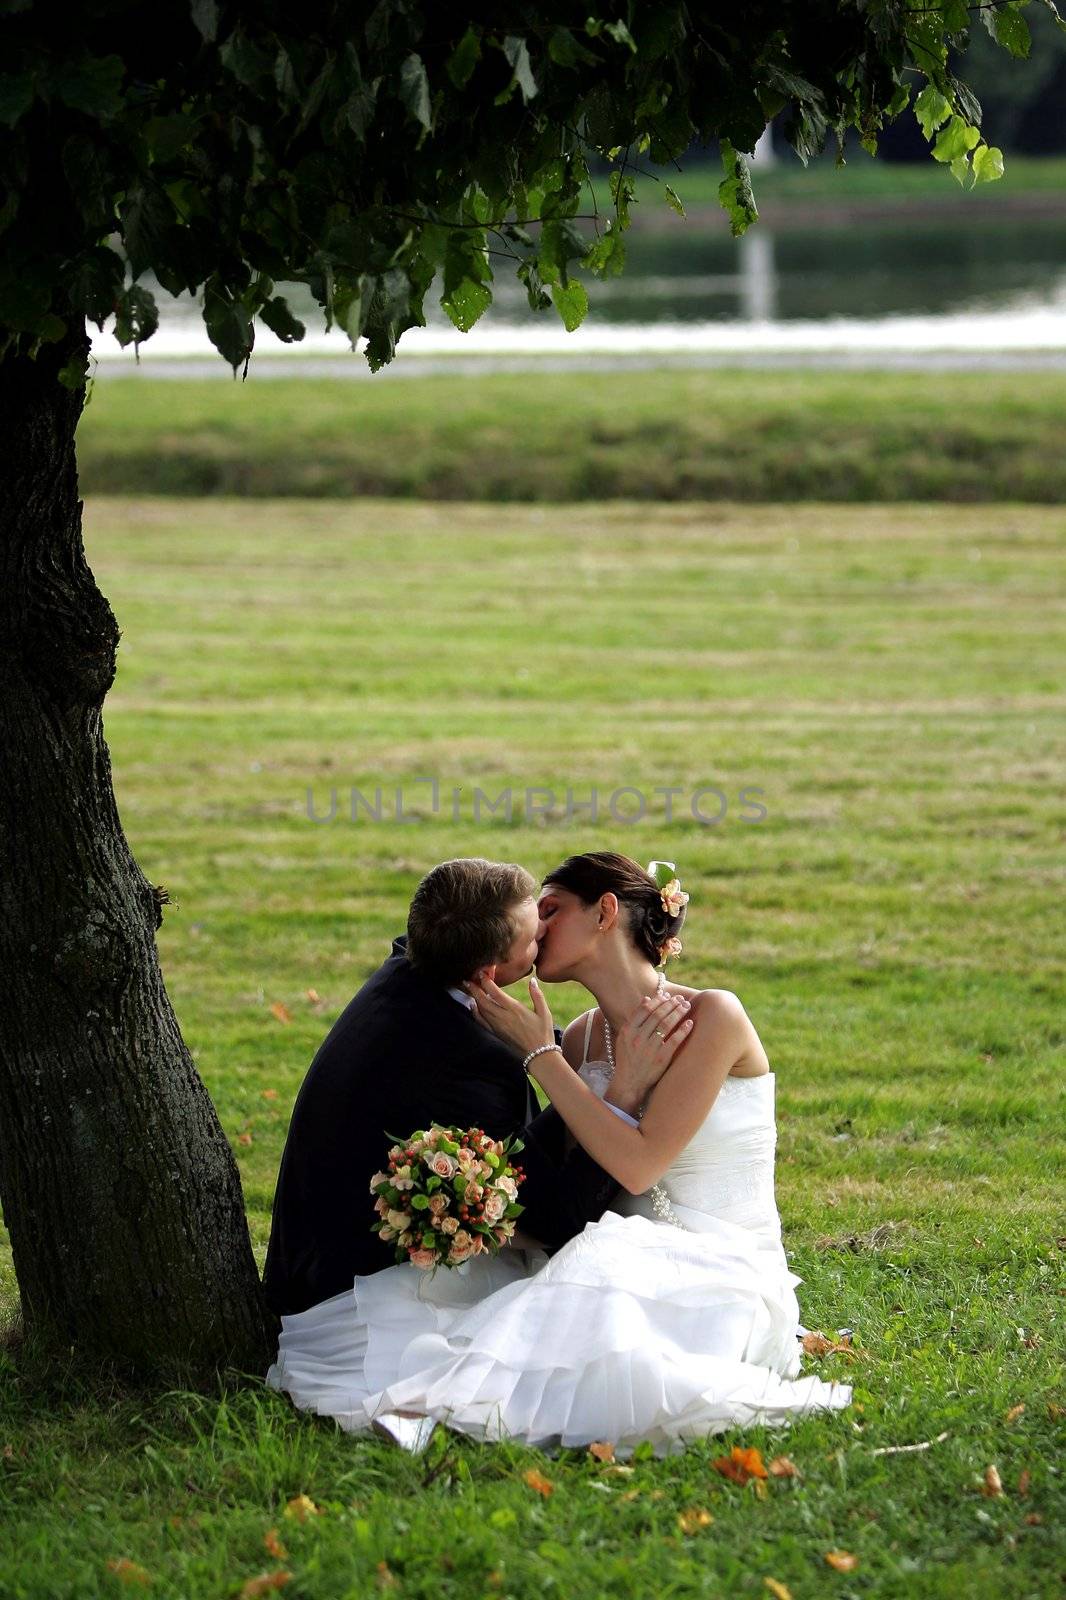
(508, 1187)
(442, 1165)
(438, 1204)
(422, 1258)
(379, 1177)
(387, 1234)
(674, 898)
(462, 1248)
(495, 1206)
(449, 1224)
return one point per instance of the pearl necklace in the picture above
(660, 1200)
(608, 1042)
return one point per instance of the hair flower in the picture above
(674, 898)
(672, 947)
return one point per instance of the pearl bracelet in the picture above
(539, 1051)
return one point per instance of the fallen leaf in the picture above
(8, 1452)
(1033, 1342)
(694, 1520)
(127, 1571)
(1033, 1519)
(1014, 1413)
(1055, 1412)
(761, 1490)
(841, 1560)
(618, 1471)
(740, 1465)
(265, 1582)
(1024, 1480)
(536, 1480)
(782, 1467)
(301, 1507)
(386, 1576)
(816, 1344)
(269, 1094)
(781, 1590)
(244, 1138)
(602, 1451)
(993, 1484)
(281, 1011)
(274, 1546)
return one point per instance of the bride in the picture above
(674, 1316)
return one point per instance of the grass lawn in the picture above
(862, 178)
(890, 678)
(563, 436)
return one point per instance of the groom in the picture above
(409, 1050)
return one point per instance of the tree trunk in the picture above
(118, 1186)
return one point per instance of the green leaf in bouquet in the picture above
(459, 1186)
(492, 1159)
(514, 1210)
(449, 1147)
(433, 1184)
(663, 872)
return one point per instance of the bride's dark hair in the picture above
(602, 871)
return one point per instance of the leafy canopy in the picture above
(370, 151)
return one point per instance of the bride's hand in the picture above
(648, 1042)
(509, 1019)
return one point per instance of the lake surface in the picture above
(992, 283)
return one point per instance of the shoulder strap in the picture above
(588, 1036)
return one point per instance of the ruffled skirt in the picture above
(632, 1331)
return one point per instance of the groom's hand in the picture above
(508, 1018)
(645, 1048)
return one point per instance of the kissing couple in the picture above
(648, 1296)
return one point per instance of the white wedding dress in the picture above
(637, 1329)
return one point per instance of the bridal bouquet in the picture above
(449, 1194)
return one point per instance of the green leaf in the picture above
(955, 140)
(561, 242)
(136, 317)
(464, 58)
(414, 89)
(673, 199)
(514, 48)
(466, 302)
(571, 302)
(16, 97)
(75, 373)
(960, 169)
(92, 84)
(95, 283)
(735, 193)
(229, 324)
(1012, 31)
(606, 256)
(931, 109)
(567, 51)
(899, 102)
(280, 320)
(987, 164)
(205, 18)
(621, 35)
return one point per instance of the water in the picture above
(971, 286)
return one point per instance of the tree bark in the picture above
(118, 1187)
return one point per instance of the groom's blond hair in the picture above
(462, 916)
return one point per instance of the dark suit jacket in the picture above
(402, 1054)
